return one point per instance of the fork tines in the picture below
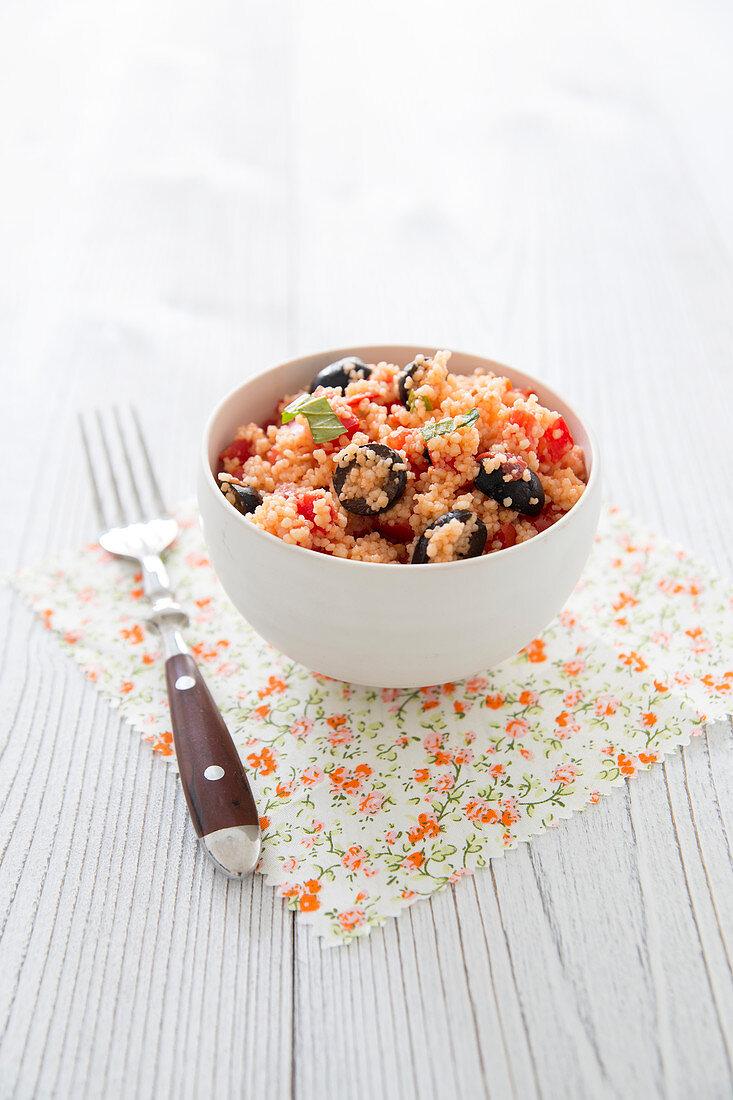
(124, 487)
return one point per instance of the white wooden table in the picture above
(191, 192)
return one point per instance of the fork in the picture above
(215, 784)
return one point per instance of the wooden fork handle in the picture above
(215, 784)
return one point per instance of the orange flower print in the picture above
(463, 756)
(497, 770)
(649, 719)
(126, 687)
(71, 637)
(565, 774)
(478, 809)
(624, 599)
(148, 659)
(312, 775)
(301, 728)
(517, 727)
(421, 775)
(134, 635)
(606, 705)
(442, 758)
(648, 757)
(340, 735)
(274, 686)
(461, 708)
(574, 668)
(264, 824)
(626, 764)
(572, 698)
(261, 712)
(661, 686)
(536, 651)
(443, 783)
(354, 858)
(509, 811)
(309, 903)
(391, 836)
(312, 886)
(263, 762)
(371, 804)
(46, 615)
(351, 919)
(563, 719)
(594, 797)
(698, 642)
(414, 861)
(336, 721)
(528, 699)
(449, 688)
(476, 684)
(633, 660)
(494, 701)
(283, 790)
(432, 742)
(526, 753)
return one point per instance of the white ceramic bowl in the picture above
(389, 625)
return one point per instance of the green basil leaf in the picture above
(322, 420)
(450, 424)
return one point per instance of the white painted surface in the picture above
(190, 192)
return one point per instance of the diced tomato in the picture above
(528, 393)
(240, 449)
(523, 420)
(549, 515)
(555, 442)
(357, 398)
(304, 504)
(350, 422)
(506, 536)
(397, 532)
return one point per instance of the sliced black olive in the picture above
(338, 375)
(243, 497)
(476, 541)
(392, 482)
(513, 485)
(412, 372)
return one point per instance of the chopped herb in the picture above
(322, 420)
(450, 424)
(413, 398)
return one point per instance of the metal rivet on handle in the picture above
(214, 771)
(183, 683)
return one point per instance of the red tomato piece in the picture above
(240, 449)
(397, 532)
(524, 420)
(304, 504)
(505, 536)
(350, 422)
(555, 442)
(549, 515)
(361, 396)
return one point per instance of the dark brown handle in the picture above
(214, 781)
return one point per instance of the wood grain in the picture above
(198, 191)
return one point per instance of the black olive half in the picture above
(510, 486)
(392, 482)
(338, 375)
(411, 371)
(476, 542)
(243, 497)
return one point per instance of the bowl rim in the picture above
(340, 353)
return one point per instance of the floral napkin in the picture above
(372, 799)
